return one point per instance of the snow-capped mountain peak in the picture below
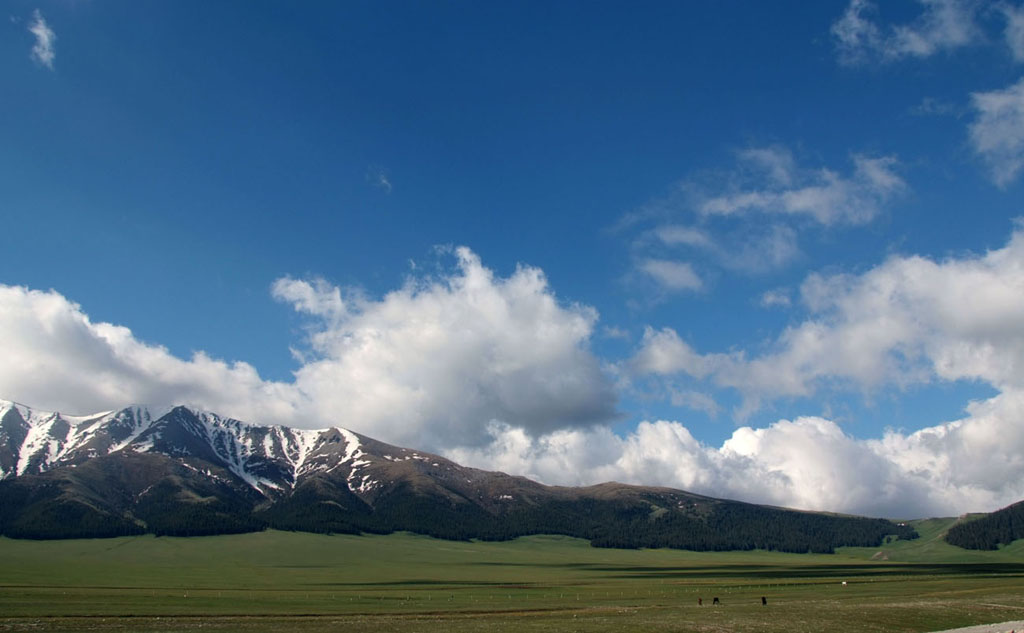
(268, 458)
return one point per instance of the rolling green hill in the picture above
(932, 547)
(990, 531)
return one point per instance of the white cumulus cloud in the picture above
(909, 320)
(54, 357)
(427, 365)
(436, 360)
(315, 297)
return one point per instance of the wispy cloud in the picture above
(680, 235)
(997, 133)
(769, 181)
(43, 51)
(749, 217)
(618, 333)
(930, 106)
(762, 249)
(777, 298)
(1015, 30)
(671, 275)
(942, 25)
(855, 34)
(752, 249)
(694, 400)
(378, 177)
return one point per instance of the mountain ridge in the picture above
(187, 471)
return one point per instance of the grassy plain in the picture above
(281, 581)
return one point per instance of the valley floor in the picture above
(274, 581)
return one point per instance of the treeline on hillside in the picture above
(39, 512)
(605, 523)
(990, 531)
(165, 514)
(746, 527)
(46, 511)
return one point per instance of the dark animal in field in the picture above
(764, 601)
(715, 601)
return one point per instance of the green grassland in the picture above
(278, 581)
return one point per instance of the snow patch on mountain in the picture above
(301, 445)
(353, 448)
(137, 419)
(39, 443)
(51, 437)
(353, 455)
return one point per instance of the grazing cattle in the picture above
(715, 601)
(700, 602)
(764, 601)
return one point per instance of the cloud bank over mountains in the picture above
(497, 372)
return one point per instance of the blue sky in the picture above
(759, 250)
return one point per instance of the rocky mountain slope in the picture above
(182, 471)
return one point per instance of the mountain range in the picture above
(184, 471)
